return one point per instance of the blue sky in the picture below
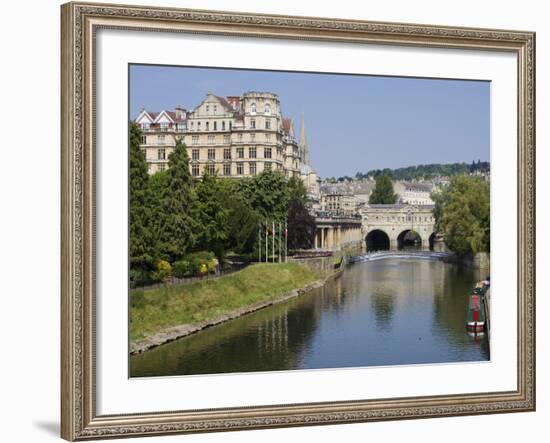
(353, 122)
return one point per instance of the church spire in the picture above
(303, 142)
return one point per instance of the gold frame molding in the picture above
(79, 22)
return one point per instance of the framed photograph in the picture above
(277, 221)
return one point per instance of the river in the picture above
(386, 312)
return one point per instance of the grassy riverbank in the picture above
(153, 310)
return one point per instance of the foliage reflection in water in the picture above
(385, 312)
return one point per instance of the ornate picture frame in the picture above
(80, 22)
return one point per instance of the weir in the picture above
(413, 255)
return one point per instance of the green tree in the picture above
(301, 226)
(212, 216)
(177, 207)
(462, 215)
(142, 248)
(383, 191)
(267, 194)
(296, 189)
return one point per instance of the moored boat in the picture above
(475, 320)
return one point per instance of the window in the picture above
(223, 126)
(240, 152)
(252, 136)
(192, 126)
(195, 139)
(195, 170)
(215, 108)
(207, 108)
(253, 123)
(268, 136)
(267, 124)
(240, 168)
(230, 126)
(181, 127)
(252, 166)
(227, 169)
(164, 126)
(211, 154)
(161, 154)
(267, 152)
(211, 168)
(208, 126)
(143, 139)
(267, 108)
(215, 126)
(253, 108)
(161, 139)
(267, 166)
(161, 166)
(241, 137)
(210, 139)
(252, 152)
(195, 154)
(198, 126)
(145, 126)
(227, 153)
(227, 139)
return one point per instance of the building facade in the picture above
(235, 136)
(414, 193)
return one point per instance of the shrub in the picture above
(139, 277)
(212, 265)
(163, 270)
(181, 269)
(198, 262)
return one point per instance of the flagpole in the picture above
(280, 241)
(259, 242)
(286, 241)
(273, 240)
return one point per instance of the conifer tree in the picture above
(141, 239)
(177, 209)
(212, 215)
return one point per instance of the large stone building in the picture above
(236, 136)
(414, 193)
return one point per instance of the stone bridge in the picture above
(393, 227)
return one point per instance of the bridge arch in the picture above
(409, 239)
(377, 240)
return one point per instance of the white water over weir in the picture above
(415, 255)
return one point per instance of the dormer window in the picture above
(163, 126)
(253, 108)
(145, 126)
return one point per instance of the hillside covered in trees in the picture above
(420, 172)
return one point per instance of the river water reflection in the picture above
(385, 312)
